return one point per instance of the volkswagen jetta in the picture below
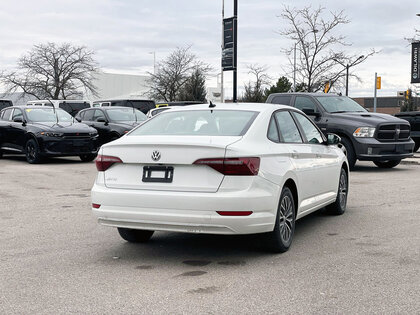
(220, 169)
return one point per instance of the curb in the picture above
(413, 160)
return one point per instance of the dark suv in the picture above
(381, 138)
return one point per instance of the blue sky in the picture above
(123, 33)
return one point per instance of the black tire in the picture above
(340, 204)
(387, 164)
(135, 236)
(114, 136)
(280, 240)
(32, 152)
(87, 157)
(416, 146)
(1, 154)
(351, 155)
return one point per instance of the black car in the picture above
(414, 119)
(5, 103)
(142, 105)
(40, 131)
(381, 138)
(111, 122)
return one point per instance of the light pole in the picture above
(154, 61)
(348, 66)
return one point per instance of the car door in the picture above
(308, 105)
(303, 157)
(323, 158)
(102, 127)
(5, 128)
(17, 130)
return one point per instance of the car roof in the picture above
(123, 99)
(308, 94)
(109, 107)
(65, 101)
(32, 107)
(257, 107)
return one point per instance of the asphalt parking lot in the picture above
(55, 258)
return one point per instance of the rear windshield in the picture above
(73, 108)
(198, 123)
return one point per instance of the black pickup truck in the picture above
(414, 119)
(380, 138)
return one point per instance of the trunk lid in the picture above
(175, 152)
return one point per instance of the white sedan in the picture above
(220, 169)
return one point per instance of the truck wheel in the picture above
(33, 156)
(416, 146)
(135, 236)
(387, 164)
(87, 157)
(351, 155)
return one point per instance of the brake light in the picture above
(241, 166)
(103, 162)
(96, 206)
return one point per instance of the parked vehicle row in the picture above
(381, 138)
(39, 131)
(111, 122)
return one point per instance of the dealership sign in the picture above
(415, 56)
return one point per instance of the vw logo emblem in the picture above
(156, 155)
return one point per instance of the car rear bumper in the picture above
(370, 149)
(189, 212)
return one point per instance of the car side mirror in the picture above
(18, 120)
(78, 119)
(333, 139)
(310, 112)
(101, 119)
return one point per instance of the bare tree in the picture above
(173, 72)
(254, 90)
(319, 55)
(53, 71)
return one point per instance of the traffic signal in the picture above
(327, 87)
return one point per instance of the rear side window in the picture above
(98, 114)
(281, 99)
(7, 113)
(302, 102)
(273, 133)
(311, 132)
(198, 123)
(288, 129)
(17, 114)
(88, 115)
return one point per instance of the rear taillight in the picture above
(103, 162)
(241, 166)
(96, 206)
(235, 213)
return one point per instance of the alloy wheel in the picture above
(342, 190)
(286, 219)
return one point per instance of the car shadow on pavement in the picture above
(205, 248)
(374, 169)
(56, 160)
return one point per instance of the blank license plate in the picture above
(158, 174)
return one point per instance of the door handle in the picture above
(295, 154)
